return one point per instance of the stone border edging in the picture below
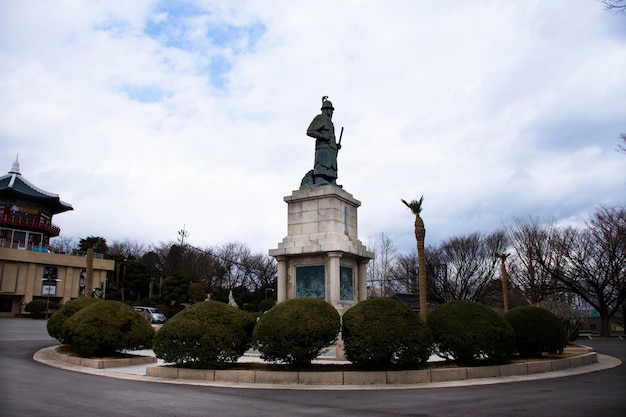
(421, 376)
(101, 363)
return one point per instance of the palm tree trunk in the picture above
(89, 280)
(420, 234)
(505, 286)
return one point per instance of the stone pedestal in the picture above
(321, 256)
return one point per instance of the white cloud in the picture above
(148, 116)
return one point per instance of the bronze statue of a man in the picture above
(326, 147)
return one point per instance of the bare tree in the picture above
(595, 263)
(379, 270)
(405, 274)
(128, 248)
(161, 250)
(63, 244)
(464, 267)
(622, 148)
(263, 270)
(617, 6)
(533, 243)
(232, 258)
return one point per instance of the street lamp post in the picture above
(48, 289)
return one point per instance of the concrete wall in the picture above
(21, 274)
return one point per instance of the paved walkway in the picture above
(30, 388)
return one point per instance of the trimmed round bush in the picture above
(381, 331)
(57, 320)
(206, 335)
(106, 327)
(36, 308)
(470, 332)
(296, 331)
(537, 330)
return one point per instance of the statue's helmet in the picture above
(326, 104)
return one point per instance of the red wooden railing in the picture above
(30, 223)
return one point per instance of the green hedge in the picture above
(106, 327)
(382, 331)
(205, 335)
(537, 330)
(57, 320)
(36, 308)
(470, 332)
(296, 331)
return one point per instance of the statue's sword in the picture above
(340, 135)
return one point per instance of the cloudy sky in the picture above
(151, 116)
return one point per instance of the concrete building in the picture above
(29, 267)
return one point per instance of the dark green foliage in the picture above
(36, 308)
(205, 335)
(168, 310)
(267, 304)
(56, 322)
(196, 293)
(97, 243)
(136, 280)
(147, 302)
(174, 289)
(470, 332)
(297, 330)
(106, 327)
(536, 331)
(381, 331)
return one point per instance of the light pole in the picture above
(47, 289)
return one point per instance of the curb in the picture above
(101, 363)
(179, 376)
(421, 376)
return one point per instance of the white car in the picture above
(151, 314)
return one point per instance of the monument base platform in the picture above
(321, 256)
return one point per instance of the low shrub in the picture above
(470, 332)
(267, 304)
(205, 335)
(296, 331)
(106, 327)
(536, 331)
(57, 320)
(382, 331)
(36, 308)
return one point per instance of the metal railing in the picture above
(45, 249)
(30, 223)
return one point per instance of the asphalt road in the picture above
(32, 389)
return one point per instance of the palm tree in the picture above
(505, 280)
(420, 232)
(89, 278)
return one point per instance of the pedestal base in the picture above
(321, 256)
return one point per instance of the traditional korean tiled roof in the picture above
(15, 185)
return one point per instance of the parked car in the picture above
(151, 314)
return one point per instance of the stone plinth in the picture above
(321, 256)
